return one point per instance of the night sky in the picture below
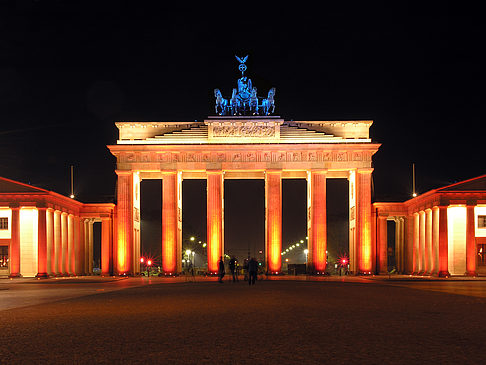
(69, 69)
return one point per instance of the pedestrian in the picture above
(252, 271)
(220, 269)
(232, 266)
(245, 269)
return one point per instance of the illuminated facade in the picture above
(243, 147)
(441, 232)
(43, 233)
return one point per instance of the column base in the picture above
(471, 273)
(15, 276)
(444, 274)
(42, 275)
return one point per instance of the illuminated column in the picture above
(106, 241)
(79, 246)
(124, 222)
(470, 242)
(169, 223)
(57, 244)
(90, 246)
(435, 241)
(443, 243)
(383, 244)
(86, 246)
(409, 244)
(317, 228)
(50, 241)
(273, 210)
(15, 243)
(363, 216)
(214, 194)
(41, 243)
(400, 243)
(70, 267)
(422, 242)
(428, 241)
(64, 244)
(416, 245)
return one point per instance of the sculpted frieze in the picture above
(248, 130)
(245, 156)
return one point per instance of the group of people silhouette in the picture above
(250, 268)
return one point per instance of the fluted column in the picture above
(15, 243)
(421, 242)
(428, 241)
(435, 241)
(471, 269)
(71, 254)
(169, 223)
(383, 244)
(317, 227)
(443, 243)
(79, 246)
(41, 243)
(106, 240)
(366, 257)
(124, 244)
(64, 244)
(90, 246)
(273, 205)
(409, 245)
(57, 258)
(86, 246)
(416, 244)
(50, 241)
(215, 201)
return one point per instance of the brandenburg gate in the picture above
(244, 140)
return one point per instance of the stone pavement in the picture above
(351, 320)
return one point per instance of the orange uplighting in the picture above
(274, 221)
(169, 223)
(214, 220)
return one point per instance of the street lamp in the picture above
(149, 264)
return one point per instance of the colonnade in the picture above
(128, 220)
(64, 243)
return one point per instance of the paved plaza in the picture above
(350, 320)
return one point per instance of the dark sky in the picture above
(69, 69)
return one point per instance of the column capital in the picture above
(318, 171)
(273, 171)
(366, 170)
(214, 171)
(123, 172)
(15, 206)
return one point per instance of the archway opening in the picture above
(294, 226)
(194, 223)
(244, 219)
(337, 194)
(151, 221)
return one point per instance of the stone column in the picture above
(86, 246)
(273, 213)
(435, 241)
(470, 241)
(366, 259)
(70, 268)
(422, 268)
(215, 193)
(106, 253)
(79, 246)
(64, 244)
(443, 243)
(50, 242)
(57, 258)
(428, 241)
(41, 243)
(90, 246)
(317, 227)
(416, 244)
(169, 223)
(124, 242)
(15, 243)
(410, 251)
(382, 238)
